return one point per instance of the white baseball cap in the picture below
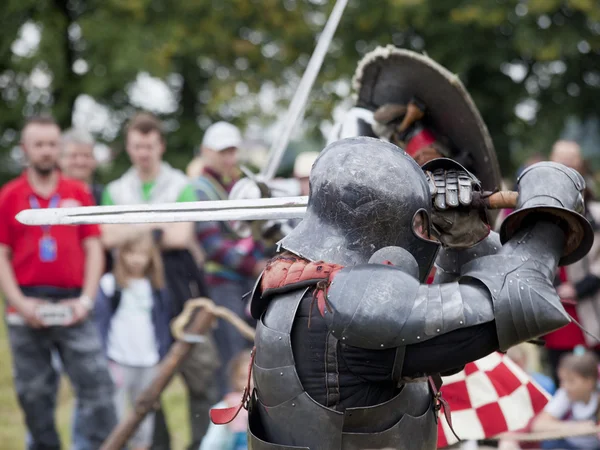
(303, 164)
(222, 135)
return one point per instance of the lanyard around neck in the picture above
(35, 204)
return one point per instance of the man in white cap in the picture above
(302, 167)
(232, 264)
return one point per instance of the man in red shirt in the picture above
(48, 277)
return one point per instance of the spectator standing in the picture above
(60, 267)
(133, 319)
(78, 161)
(151, 180)
(232, 264)
(578, 284)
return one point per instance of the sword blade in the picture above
(304, 88)
(252, 209)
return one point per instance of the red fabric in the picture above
(431, 276)
(286, 271)
(422, 139)
(490, 396)
(496, 426)
(570, 336)
(67, 271)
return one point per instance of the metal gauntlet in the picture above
(550, 189)
(456, 222)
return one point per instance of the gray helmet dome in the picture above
(365, 194)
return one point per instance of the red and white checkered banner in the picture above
(490, 396)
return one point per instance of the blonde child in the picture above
(132, 314)
(575, 405)
(233, 435)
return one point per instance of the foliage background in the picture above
(532, 67)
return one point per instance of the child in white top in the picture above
(232, 436)
(575, 405)
(133, 315)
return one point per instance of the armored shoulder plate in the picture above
(375, 306)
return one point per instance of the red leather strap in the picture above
(223, 416)
(287, 271)
(422, 139)
(441, 401)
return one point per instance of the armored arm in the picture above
(450, 260)
(374, 306)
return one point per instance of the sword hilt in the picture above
(496, 200)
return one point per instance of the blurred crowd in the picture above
(96, 302)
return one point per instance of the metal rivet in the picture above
(293, 404)
(495, 291)
(280, 337)
(438, 330)
(280, 374)
(418, 337)
(461, 322)
(522, 288)
(495, 248)
(382, 345)
(510, 281)
(474, 254)
(518, 275)
(402, 340)
(343, 338)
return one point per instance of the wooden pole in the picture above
(200, 324)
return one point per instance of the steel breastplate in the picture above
(284, 417)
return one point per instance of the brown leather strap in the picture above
(435, 381)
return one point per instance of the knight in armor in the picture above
(351, 343)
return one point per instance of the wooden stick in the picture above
(502, 200)
(577, 430)
(118, 438)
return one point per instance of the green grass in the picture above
(12, 423)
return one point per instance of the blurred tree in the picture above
(527, 64)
